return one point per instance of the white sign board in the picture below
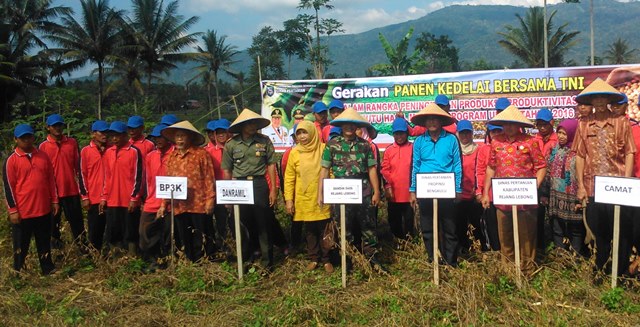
(514, 191)
(436, 186)
(342, 191)
(617, 190)
(234, 192)
(166, 184)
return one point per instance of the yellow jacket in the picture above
(305, 196)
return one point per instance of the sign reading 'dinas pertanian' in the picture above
(436, 186)
(514, 191)
(342, 191)
(166, 184)
(234, 192)
(617, 190)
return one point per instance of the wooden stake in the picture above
(616, 245)
(516, 244)
(236, 215)
(436, 261)
(173, 236)
(343, 244)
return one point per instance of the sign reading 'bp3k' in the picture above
(167, 184)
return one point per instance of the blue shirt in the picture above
(441, 156)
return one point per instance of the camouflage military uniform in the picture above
(351, 160)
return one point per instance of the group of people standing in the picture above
(113, 179)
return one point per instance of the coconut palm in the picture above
(93, 38)
(620, 52)
(527, 41)
(160, 34)
(214, 56)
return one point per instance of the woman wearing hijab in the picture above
(301, 184)
(563, 203)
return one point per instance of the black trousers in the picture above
(573, 230)
(115, 228)
(448, 243)
(155, 236)
(469, 212)
(132, 225)
(544, 228)
(257, 218)
(222, 223)
(600, 221)
(72, 209)
(96, 223)
(314, 231)
(401, 219)
(489, 219)
(194, 229)
(40, 228)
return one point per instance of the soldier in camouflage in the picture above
(350, 157)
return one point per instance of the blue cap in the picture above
(335, 131)
(442, 100)
(22, 130)
(54, 119)
(319, 107)
(464, 125)
(502, 104)
(118, 127)
(156, 130)
(624, 100)
(99, 126)
(135, 122)
(544, 114)
(492, 127)
(168, 120)
(223, 124)
(336, 104)
(211, 125)
(399, 125)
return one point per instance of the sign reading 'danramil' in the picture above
(234, 192)
(617, 190)
(514, 191)
(436, 186)
(342, 191)
(167, 184)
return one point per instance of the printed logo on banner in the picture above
(234, 192)
(617, 190)
(270, 91)
(514, 191)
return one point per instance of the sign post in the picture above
(342, 191)
(435, 186)
(170, 187)
(617, 191)
(515, 192)
(235, 192)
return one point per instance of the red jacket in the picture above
(319, 128)
(155, 164)
(482, 161)
(396, 170)
(549, 145)
(216, 154)
(123, 175)
(29, 185)
(65, 158)
(145, 146)
(469, 164)
(324, 137)
(635, 131)
(91, 173)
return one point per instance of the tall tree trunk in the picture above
(209, 100)
(215, 80)
(100, 87)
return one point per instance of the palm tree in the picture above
(160, 35)
(399, 62)
(125, 71)
(527, 41)
(619, 52)
(92, 39)
(214, 56)
(317, 52)
(292, 41)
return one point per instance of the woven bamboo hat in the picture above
(599, 88)
(170, 132)
(350, 115)
(248, 116)
(511, 115)
(432, 110)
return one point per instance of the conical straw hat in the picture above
(511, 115)
(245, 116)
(599, 88)
(170, 132)
(350, 115)
(431, 110)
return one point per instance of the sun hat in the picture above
(511, 115)
(544, 114)
(319, 107)
(350, 116)
(54, 119)
(432, 109)
(157, 130)
(492, 127)
(222, 123)
(99, 126)
(169, 132)
(22, 130)
(246, 116)
(118, 127)
(624, 100)
(276, 113)
(168, 120)
(502, 104)
(211, 125)
(399, 125)
(464, 125)
(442, 100)
(135, 122)
(336, 104)
(599, 88)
